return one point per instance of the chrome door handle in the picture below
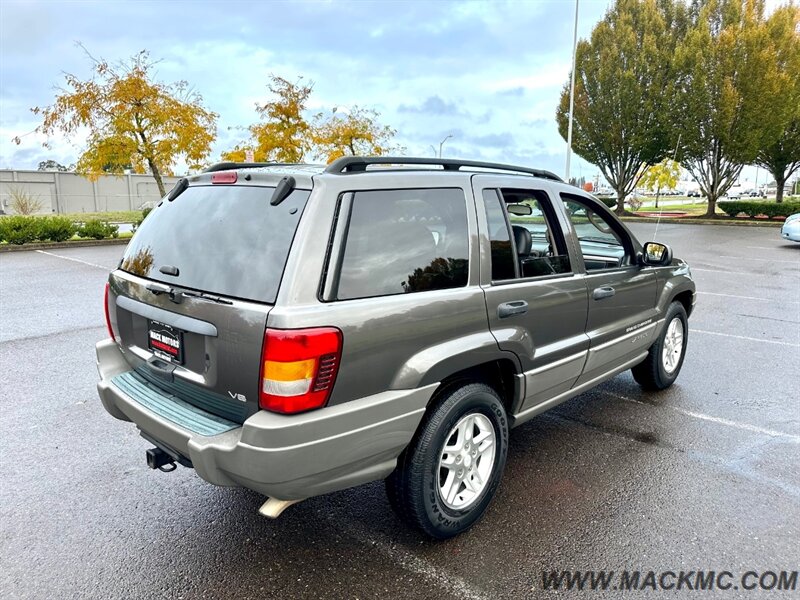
(509, 309)
(603, 292)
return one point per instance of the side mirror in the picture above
(655, 254)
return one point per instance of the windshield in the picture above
(226, 240)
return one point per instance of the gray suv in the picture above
(299, 329)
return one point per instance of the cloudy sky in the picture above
(487, 73)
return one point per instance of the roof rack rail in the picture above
(227, 166)
(357, 164)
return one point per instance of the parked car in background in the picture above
(791, 228)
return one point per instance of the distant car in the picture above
(791, 228)
(694, 194)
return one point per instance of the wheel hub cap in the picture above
(466, 461)
(673, 346)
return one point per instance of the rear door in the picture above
(535, 299)
(190, 299)
(622, 294)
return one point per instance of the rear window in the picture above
(225, 240)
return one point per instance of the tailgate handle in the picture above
(161, 368)
(603, 292)
(509, 309)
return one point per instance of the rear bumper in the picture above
(285, 457)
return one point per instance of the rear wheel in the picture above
(664, 360)
(447, 476)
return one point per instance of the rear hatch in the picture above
(193, 290)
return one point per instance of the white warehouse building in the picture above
(66, 192)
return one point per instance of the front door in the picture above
(622, 294)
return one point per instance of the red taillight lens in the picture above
(108, 316)
(298, 368)
(224, 177)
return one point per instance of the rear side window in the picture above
(225, 240)
(404, 241)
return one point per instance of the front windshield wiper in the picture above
(600, 241)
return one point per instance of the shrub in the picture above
(753, 208)
(609, 202)
(56, 228)
(98, 230)
(24, 203)
(20, 229)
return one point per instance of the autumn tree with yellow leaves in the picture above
(355, 132)
(133, 122)
(285, 135)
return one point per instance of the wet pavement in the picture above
(705, 475)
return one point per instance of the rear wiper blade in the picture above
(204, 296)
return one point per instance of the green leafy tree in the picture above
(661, 176)
(131, 120)
(52, 165)
(781, 155)
(728, 106)
(622, 83)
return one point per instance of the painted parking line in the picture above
(772, 260)
(441, 578)
(789, 437)
(744, 337)
(750, 298)
(77, 260)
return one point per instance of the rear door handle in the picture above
(509, 309)
(603, 292)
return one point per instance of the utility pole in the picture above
(442, 144)
(572, 90)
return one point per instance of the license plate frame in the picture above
(165, 341)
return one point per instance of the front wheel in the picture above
(447, 476)
(664, 360)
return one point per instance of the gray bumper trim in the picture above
(286, 457)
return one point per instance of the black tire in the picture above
(414, 487)
(652, 373)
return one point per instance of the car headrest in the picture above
(522, 240)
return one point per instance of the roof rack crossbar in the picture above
(228, 166)
(356, 164)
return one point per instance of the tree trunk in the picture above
(780, 181)
(620, 208)
(157, 176)
(711, 213)
(658, 193)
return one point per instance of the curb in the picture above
(56, 245)
(692, 221)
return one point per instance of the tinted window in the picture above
(547, 253)
(601, 246)
(226, 240)
(502, 255)
(403, 241)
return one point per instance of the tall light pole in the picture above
(442, 144)
(572, 90)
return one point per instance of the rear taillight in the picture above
(298, 368)
(108, 316)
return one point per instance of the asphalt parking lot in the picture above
(705, 475)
